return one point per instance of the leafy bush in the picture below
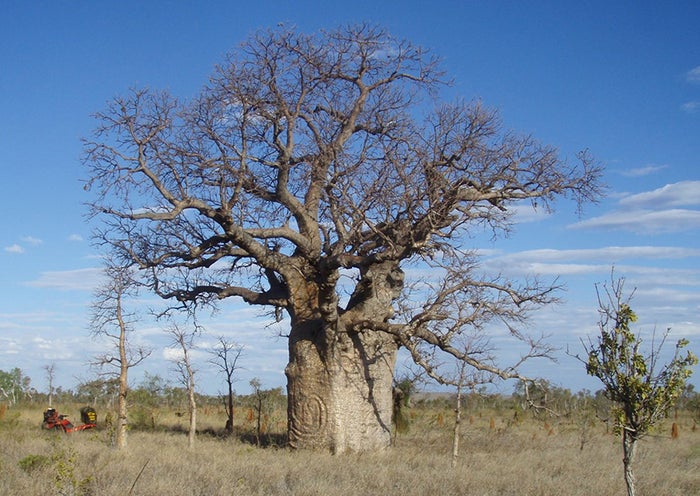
(30, 463)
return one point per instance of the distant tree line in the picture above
(156, 392)
(153, 391)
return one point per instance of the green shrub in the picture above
(30, 463)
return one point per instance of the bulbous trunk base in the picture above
(339, 393)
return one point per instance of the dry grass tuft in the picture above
(510, 460)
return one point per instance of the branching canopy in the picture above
(310, 156)
(643, 390)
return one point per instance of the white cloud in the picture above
(553, 269)
(14, 249)
(666, 296)
(172, 354)
(693, 75)
(68, 280)
(644, 221)
(75, 237)
(32, 240)
(632, 261)
(691, 107)
(684, 193)
(656, 277)
(606, 253)
(653, 212)
(525, 212)
(643, 171)
(10, 346)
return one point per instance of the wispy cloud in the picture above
(526, 212)
(645, 221)
(652, 212)
(14, 249)
(693, 75)
(69, 280)
(607, 253)
(576, 262)
(27, 240)
(75, 237)
(691, 107)
(643, 171)
(32, 240)
(681, 194)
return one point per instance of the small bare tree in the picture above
(264, 401)
(110, 319)
(471, 348)
(50, 376)
(643, 393)
(183, 364)
(225, 356)
(258, 397)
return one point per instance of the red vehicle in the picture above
(52, 420)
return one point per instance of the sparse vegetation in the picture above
(642, 390)
(524, 453)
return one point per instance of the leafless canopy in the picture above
(316, 155)
(111, 319)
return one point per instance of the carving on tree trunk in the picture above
(340, 402)
(340, 379)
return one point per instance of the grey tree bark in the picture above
(629, 450)
(186, 372)
(457, 426)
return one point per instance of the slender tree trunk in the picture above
(192, 434)
(629, 448)
(192, 406)
(122, 421)
(458, 422)
(50, 370)
(229, 408)
(122, 407)
(258, 423)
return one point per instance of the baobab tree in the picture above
(306, 177)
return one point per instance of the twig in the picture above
(138, 477)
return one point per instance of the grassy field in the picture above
(500, 455)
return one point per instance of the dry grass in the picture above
(525, 457)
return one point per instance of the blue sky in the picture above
(619, 78)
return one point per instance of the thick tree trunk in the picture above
(339, 379)
(340, 396)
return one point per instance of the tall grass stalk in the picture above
(514, 458)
